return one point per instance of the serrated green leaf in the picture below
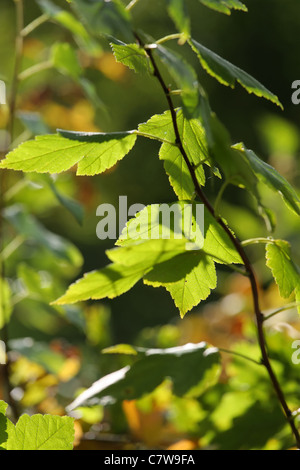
(210, 237)
(194, 141)
(217, 243)
(224, 6)
(148, 253)
(194, 286)
(152, 368)
(189, 276)
(178, 222)
(108, 18)
(285, 272)
(184, 76)
(227, 73)
(133, 56)
(177, 10)
(237, 171)
(40, 432)
(93, 152)
(269, 176)
(3, 407)
(111, 281)
(64, 58)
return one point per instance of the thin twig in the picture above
(10, 131)
(35, 24)
(281, 309)
(234, 353)
(131, 4)
(248, 266)
(48, 64)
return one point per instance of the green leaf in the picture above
(217, 243)
(39, 432)
(93, 152)
(111, 281)
(189, 276)
(235, 166)
(285, 272)
(175, 225)
(224, 6)
(65, 59)
(148, 253)
(165, 252)
(192, 368)
(133, 56)
(178, 12)
(195, 285)
(184, 76)
(193, 138)
(102, 17)
(227, 73)
(269, 176)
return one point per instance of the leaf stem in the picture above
(170, 37)
(281, 309)
(248, 266)
(259, 240)
(131, 4)
(35, 69)
(154, 137)
(234, 353)
(34, 24)
(11, 248)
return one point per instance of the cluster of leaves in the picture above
(205, 140)
(189, 275)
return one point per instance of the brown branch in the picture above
(248, 266)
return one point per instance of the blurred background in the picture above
(265, 43)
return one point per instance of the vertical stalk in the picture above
(248, 266)
(3, 175)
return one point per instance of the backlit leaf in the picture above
(93, 152)
(39, 432)
(227, 73)
(224, 6)
(285, 272)
(132, 56)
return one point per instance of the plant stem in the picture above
(281, 309)
(242, 356)
(131, 4)
(10, 130)
(35, 69)
(248, 266)
(256, 241)
(170, 37)
(34, 24)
